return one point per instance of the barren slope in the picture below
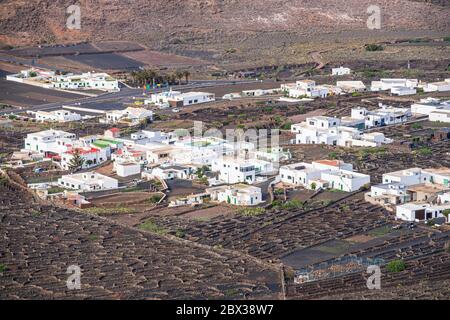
(22, 21)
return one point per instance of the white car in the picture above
(175, 110)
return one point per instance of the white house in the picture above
(323, 174)
(388, 84)
(169, 172)
(403, 91)
(428, 105)
(88, 181)
(407, 177)
(239, 194)
(179, 99)
(91, 156)
(131, 115)
(56, 116)
(126, 169)
(49, 142)
(440, 86)
(149, 136)
(273, 154)
(413, 176)
(326, 130)
(444, 198)
(234, 170)
(162, 99)
(191, 98)
(431, 105)
(351, 86)
(89, 80)
(440, 116)
(388, 194)
(421, 211)
(34, 76)
(340, 71)
(383, 116)
(305, 88)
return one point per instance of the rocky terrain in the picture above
(218, 29)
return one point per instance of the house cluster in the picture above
(434, 108)
(331, 131)
(414, 194)
(323, 174)
(177, 99)
(69, 81)
(164, 156)
(403, 87)
(395, 86)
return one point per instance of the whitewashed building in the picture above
(49, 141)
(403, 91)
(91, 156)
(440, 116)
(428, 105)
(88, 80)
(351, 86)
(130, 115)
(388, 84)
(126, 169)
(326, 130)
(305, 88)
(383, 116)
(179, 99)
(169, 172)
(340, 71)
(56, 116)
(239, 195)
(234, 170)
(421, 211)
(440, 86)
(88, 181)
(323, 174)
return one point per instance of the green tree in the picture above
(76, 163)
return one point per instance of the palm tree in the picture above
(186, 74)
(179, 75)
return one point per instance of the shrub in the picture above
(180, 233)
(425, 151)
(396, 266)
(3, 268)
(154, 198)
(251, 211)
(374, 47)
(286, 126)
(151, 226)
(416, 126)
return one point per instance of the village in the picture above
(318, 177)
(179, 169)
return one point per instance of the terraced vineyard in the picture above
(40, 242)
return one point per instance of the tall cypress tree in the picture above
(76, 163)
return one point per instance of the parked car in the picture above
(175, 110)
(397, 227)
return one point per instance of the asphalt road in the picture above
(127, 93)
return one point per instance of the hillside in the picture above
(44, 20)
(225, 30)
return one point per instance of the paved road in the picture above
(129, 93)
